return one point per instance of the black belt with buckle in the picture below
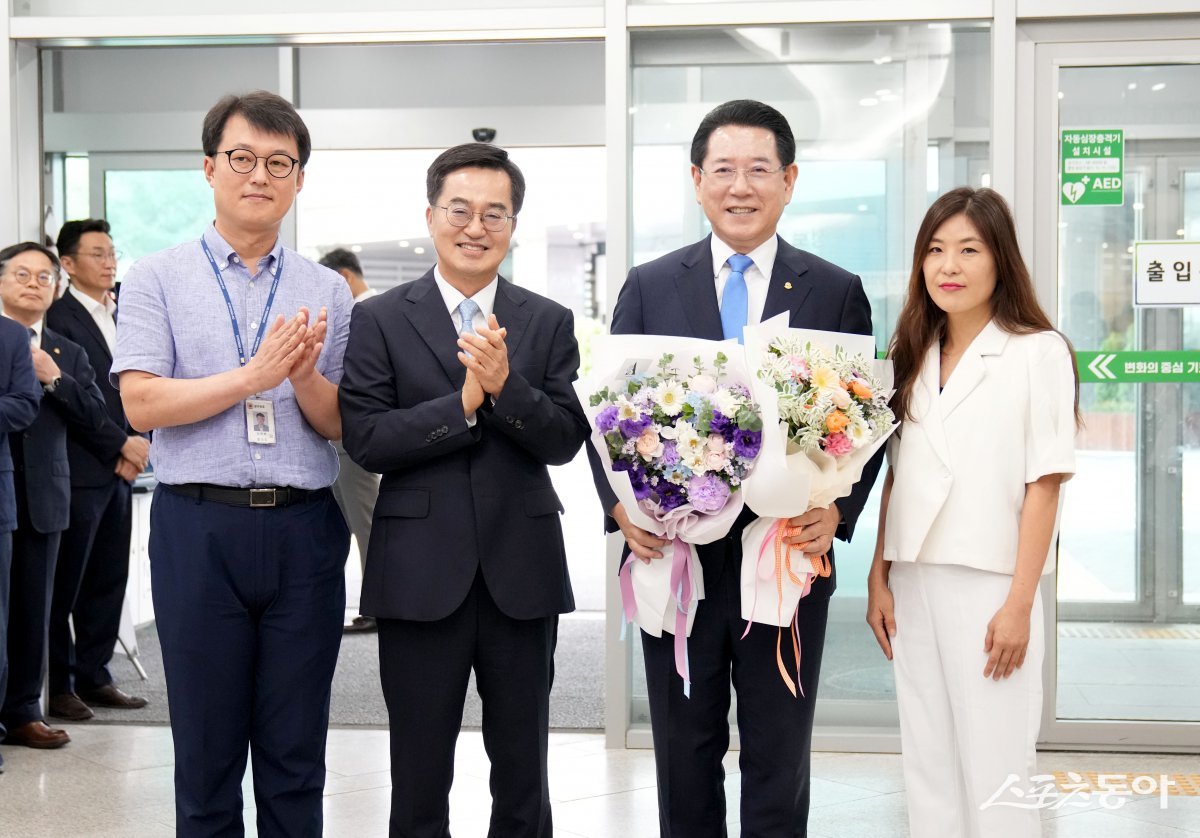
(267, 498)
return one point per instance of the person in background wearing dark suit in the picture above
(93, 558)
(356, 489)
(71, 402)
(457, 388)
(743, 169)
(20, 394)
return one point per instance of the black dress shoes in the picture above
(110, 696)
(361, 623)
(69, 706)
(37, 735)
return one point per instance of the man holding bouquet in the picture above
(744, 171)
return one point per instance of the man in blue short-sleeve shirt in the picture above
(247, 544)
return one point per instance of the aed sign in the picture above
(1093, 167)
(1164, 273)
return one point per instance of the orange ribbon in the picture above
(783, 563)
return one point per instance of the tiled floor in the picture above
(116, 782)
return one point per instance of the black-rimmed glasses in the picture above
(243, 161)
(492, 219)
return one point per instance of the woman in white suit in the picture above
(987, 392)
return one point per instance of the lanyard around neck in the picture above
(262, 322)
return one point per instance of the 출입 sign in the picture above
(1163, 275)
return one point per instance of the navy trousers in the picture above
(424, 668)
(691, 735)
(89, 587)
(249, 606)
(30, 581)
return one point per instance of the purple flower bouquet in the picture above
(679, 439)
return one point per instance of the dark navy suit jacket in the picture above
(42, 470)
(454, 499)
(676, 295)
(19, 397)
(93, 457)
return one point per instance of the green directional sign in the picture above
(1093, 167)
(1133, 367)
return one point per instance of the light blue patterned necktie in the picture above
(734, 305)
(467, 310)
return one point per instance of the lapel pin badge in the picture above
(787, 286)
(57, 351)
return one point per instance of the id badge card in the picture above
(260, 421)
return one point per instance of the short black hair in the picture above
(72, 232)
(342, 259)
(474, 155)
(13, 250)
(266, 111)
(751, 114)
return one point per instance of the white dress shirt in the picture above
(758, 275)
(365, 295)
(102, 312)
(485, 298)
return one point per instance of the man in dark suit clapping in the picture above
(457, 388)
(41, 471)
(93, 559)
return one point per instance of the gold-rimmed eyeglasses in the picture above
(492, 219)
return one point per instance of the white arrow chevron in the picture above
(1099, 366)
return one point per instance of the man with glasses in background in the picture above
(93, 558)
(71, 403)
(743, 170)
(247, 545)
(458, 390)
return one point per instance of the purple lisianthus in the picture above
(670, 453)
(621, 464)
(606, 419)
(707, 493)
(746, 444)
(721, 424)
(641, 484)
(670, 496)
(632, 428)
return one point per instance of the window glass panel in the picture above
(154, 209)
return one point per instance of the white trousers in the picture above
(964, 737)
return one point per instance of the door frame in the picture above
(1043, 50)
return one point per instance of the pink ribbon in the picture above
(684, 587)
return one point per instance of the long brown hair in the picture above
(1014, 304)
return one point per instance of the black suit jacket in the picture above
(676, 295)
(94, 456)
(20, 394)
(454, 499)
(43, 473)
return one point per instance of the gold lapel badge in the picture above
(787, 286)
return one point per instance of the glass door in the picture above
(1123, 648)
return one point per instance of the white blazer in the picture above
(961, 463)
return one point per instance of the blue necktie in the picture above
(733, 298)
(467, 310)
